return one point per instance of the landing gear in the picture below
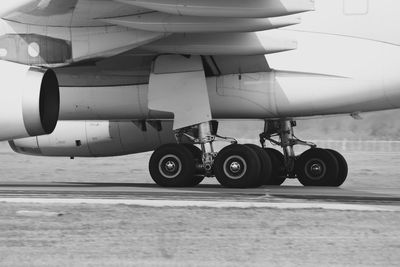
(245, 166)
(343, 168)
(266, 167)
(278, 173)
(317, 167)
(199, 173)
(314, 167)
(173, 165)
(238, 166)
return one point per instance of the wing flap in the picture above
(251, 43)
(167, 23)
(103, 28)
(226, 8)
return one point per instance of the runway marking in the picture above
(205, 204)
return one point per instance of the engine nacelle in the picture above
(97, 139)
(29, 101)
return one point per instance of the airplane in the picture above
(101, 78)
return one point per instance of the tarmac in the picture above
(207, 195)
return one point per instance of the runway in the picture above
(289, 197)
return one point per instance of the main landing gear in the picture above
(244, 165)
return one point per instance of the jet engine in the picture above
(29, 101)
(97, 139)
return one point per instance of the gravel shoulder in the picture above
(120, 235)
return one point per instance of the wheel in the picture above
(196, 152)
(237, 166)
(172, 165)
(343, 168)
(199, 174)
(278, 174)
(266, 164)
(317, 167)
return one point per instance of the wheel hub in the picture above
(315, 169)
(235, 167)
(170, 166)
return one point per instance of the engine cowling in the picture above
(97, 139)
(29, 101)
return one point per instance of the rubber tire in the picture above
(266, 164)
(278, 175)
(197, 154)
(187, 161)
(250, 177)
(343, 168)
(331, 164)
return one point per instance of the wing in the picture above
(230, 35)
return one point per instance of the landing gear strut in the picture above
(243, 166)
(315, 166)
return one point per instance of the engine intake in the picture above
(29, 102)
